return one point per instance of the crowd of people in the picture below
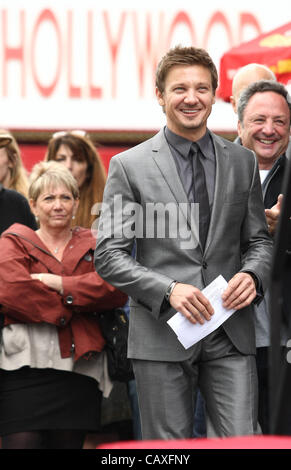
(56, 275)
(50, 298)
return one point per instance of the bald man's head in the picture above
(245, 76)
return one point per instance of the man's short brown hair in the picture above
(185, 56)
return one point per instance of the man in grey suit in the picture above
(148, 198)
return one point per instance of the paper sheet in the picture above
(189, 333)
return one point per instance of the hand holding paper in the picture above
(189, 333)
(240, 292)
(191, 302)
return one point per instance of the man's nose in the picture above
(268, 127)
(191, 97)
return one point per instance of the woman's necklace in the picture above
(56, 249)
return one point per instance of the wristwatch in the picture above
(170, 290)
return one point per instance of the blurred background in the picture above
(90, 65)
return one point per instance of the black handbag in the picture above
(114, 328)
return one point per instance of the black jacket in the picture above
(14, 208)
(273, 184)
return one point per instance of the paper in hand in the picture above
(189, 333)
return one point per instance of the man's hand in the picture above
(240, 292)
(273, 215)
(190, 301)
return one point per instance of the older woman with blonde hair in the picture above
(12, 172)
(53, 369)
(78, 153)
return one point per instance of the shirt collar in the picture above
(179, 143)
(183, 145)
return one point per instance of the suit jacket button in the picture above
(62, 321)
(69, 299)
(204, 265)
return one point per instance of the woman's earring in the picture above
(73, 217)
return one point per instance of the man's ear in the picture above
(160, 97)
(239, 129)
(233, 104)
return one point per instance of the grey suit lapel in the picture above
(165, 161)
(222, 169)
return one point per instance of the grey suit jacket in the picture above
(238, 239)
(288, 151)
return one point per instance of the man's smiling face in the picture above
(266, 127)
(187, 100)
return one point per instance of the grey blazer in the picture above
(238, 240)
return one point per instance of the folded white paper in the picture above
(189, 333)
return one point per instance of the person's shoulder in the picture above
(13, 195)
(18, 230)
(139, 150)
(82, 232)
(233, 147)
(84, 236)
(16, 201)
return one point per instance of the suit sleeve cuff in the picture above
(259, 288)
